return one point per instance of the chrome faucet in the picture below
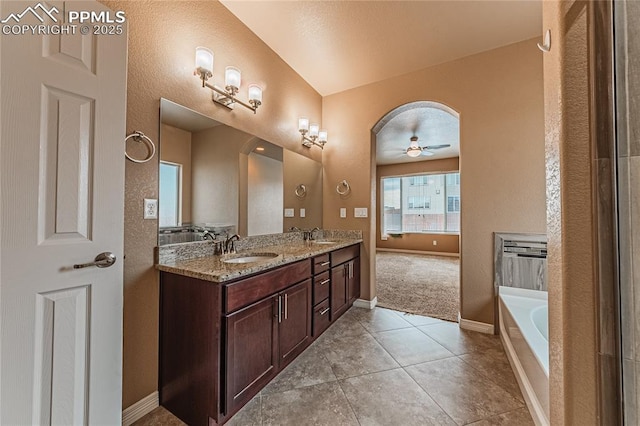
(206, 234)
(311, 233)
(228, 243)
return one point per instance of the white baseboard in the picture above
(367, 304)
(430, 253)
(480, 327)
(140, 409)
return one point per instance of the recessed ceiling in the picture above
(431, 125)
(339, 45)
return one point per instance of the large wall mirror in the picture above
(217, 178)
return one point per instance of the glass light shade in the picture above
(313, 130)
(204, 59)
(322, 136)
(414, 151)
(255, 93)
(232, 77)
(303, 124)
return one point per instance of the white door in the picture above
(62, 129)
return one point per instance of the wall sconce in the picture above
(232, 78)
(316, 136)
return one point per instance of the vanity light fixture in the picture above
(232, 79)
(316, 136)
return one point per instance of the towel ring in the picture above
(140, 137)
(346, 186)
(301, 191)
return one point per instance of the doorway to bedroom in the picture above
(418, 214)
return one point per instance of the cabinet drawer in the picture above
(345, 254)
(321, 284)
(321, 263)
(321, 317)
(244, 292)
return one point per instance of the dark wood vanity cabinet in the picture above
(251, 351)
(321, 291)
(190, 342)
(294, 327)
(263, 338)
(267, 323)
(221, 343)
(345, 279)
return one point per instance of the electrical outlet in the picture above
(360, 212)
(435, 243)
(343, 212)
(289, 213)
(303, 213)
(150, 208)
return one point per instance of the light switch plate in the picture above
(343, 212)
(150, 208)
(289, 213)
(360, 212)
(303, 212)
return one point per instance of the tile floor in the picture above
(382, 367)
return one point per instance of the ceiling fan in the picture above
(416, 150)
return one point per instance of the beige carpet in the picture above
(419, 284)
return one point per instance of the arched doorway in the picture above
(416, 173)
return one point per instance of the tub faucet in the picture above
(228, 243)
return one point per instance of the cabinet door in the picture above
(252, 355)
(295, 321)
(353, 279)
(338, 291)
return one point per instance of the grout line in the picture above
(497, 414)
(519, 397)
(429, 395)
(349, 402)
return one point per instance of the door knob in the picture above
(103, 260)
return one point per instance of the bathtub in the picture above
(524, 332)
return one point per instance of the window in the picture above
(419, 180)
(422, 203)
(453, 179)
(419, 202)
(170, 194)
(453, 204)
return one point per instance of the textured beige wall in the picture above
(572, 340)
(215, 174)
(302, 170)
(422, 242)
(499, 95)
(265, 192)
(163, 36)
(176, 148)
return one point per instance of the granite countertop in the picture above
(212, 268)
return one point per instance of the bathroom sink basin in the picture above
(325, 242)
(250, 258)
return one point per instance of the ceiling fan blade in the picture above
(427, 153)
(446, 145)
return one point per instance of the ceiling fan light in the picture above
(414, 151)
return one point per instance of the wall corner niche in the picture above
(224, 180)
